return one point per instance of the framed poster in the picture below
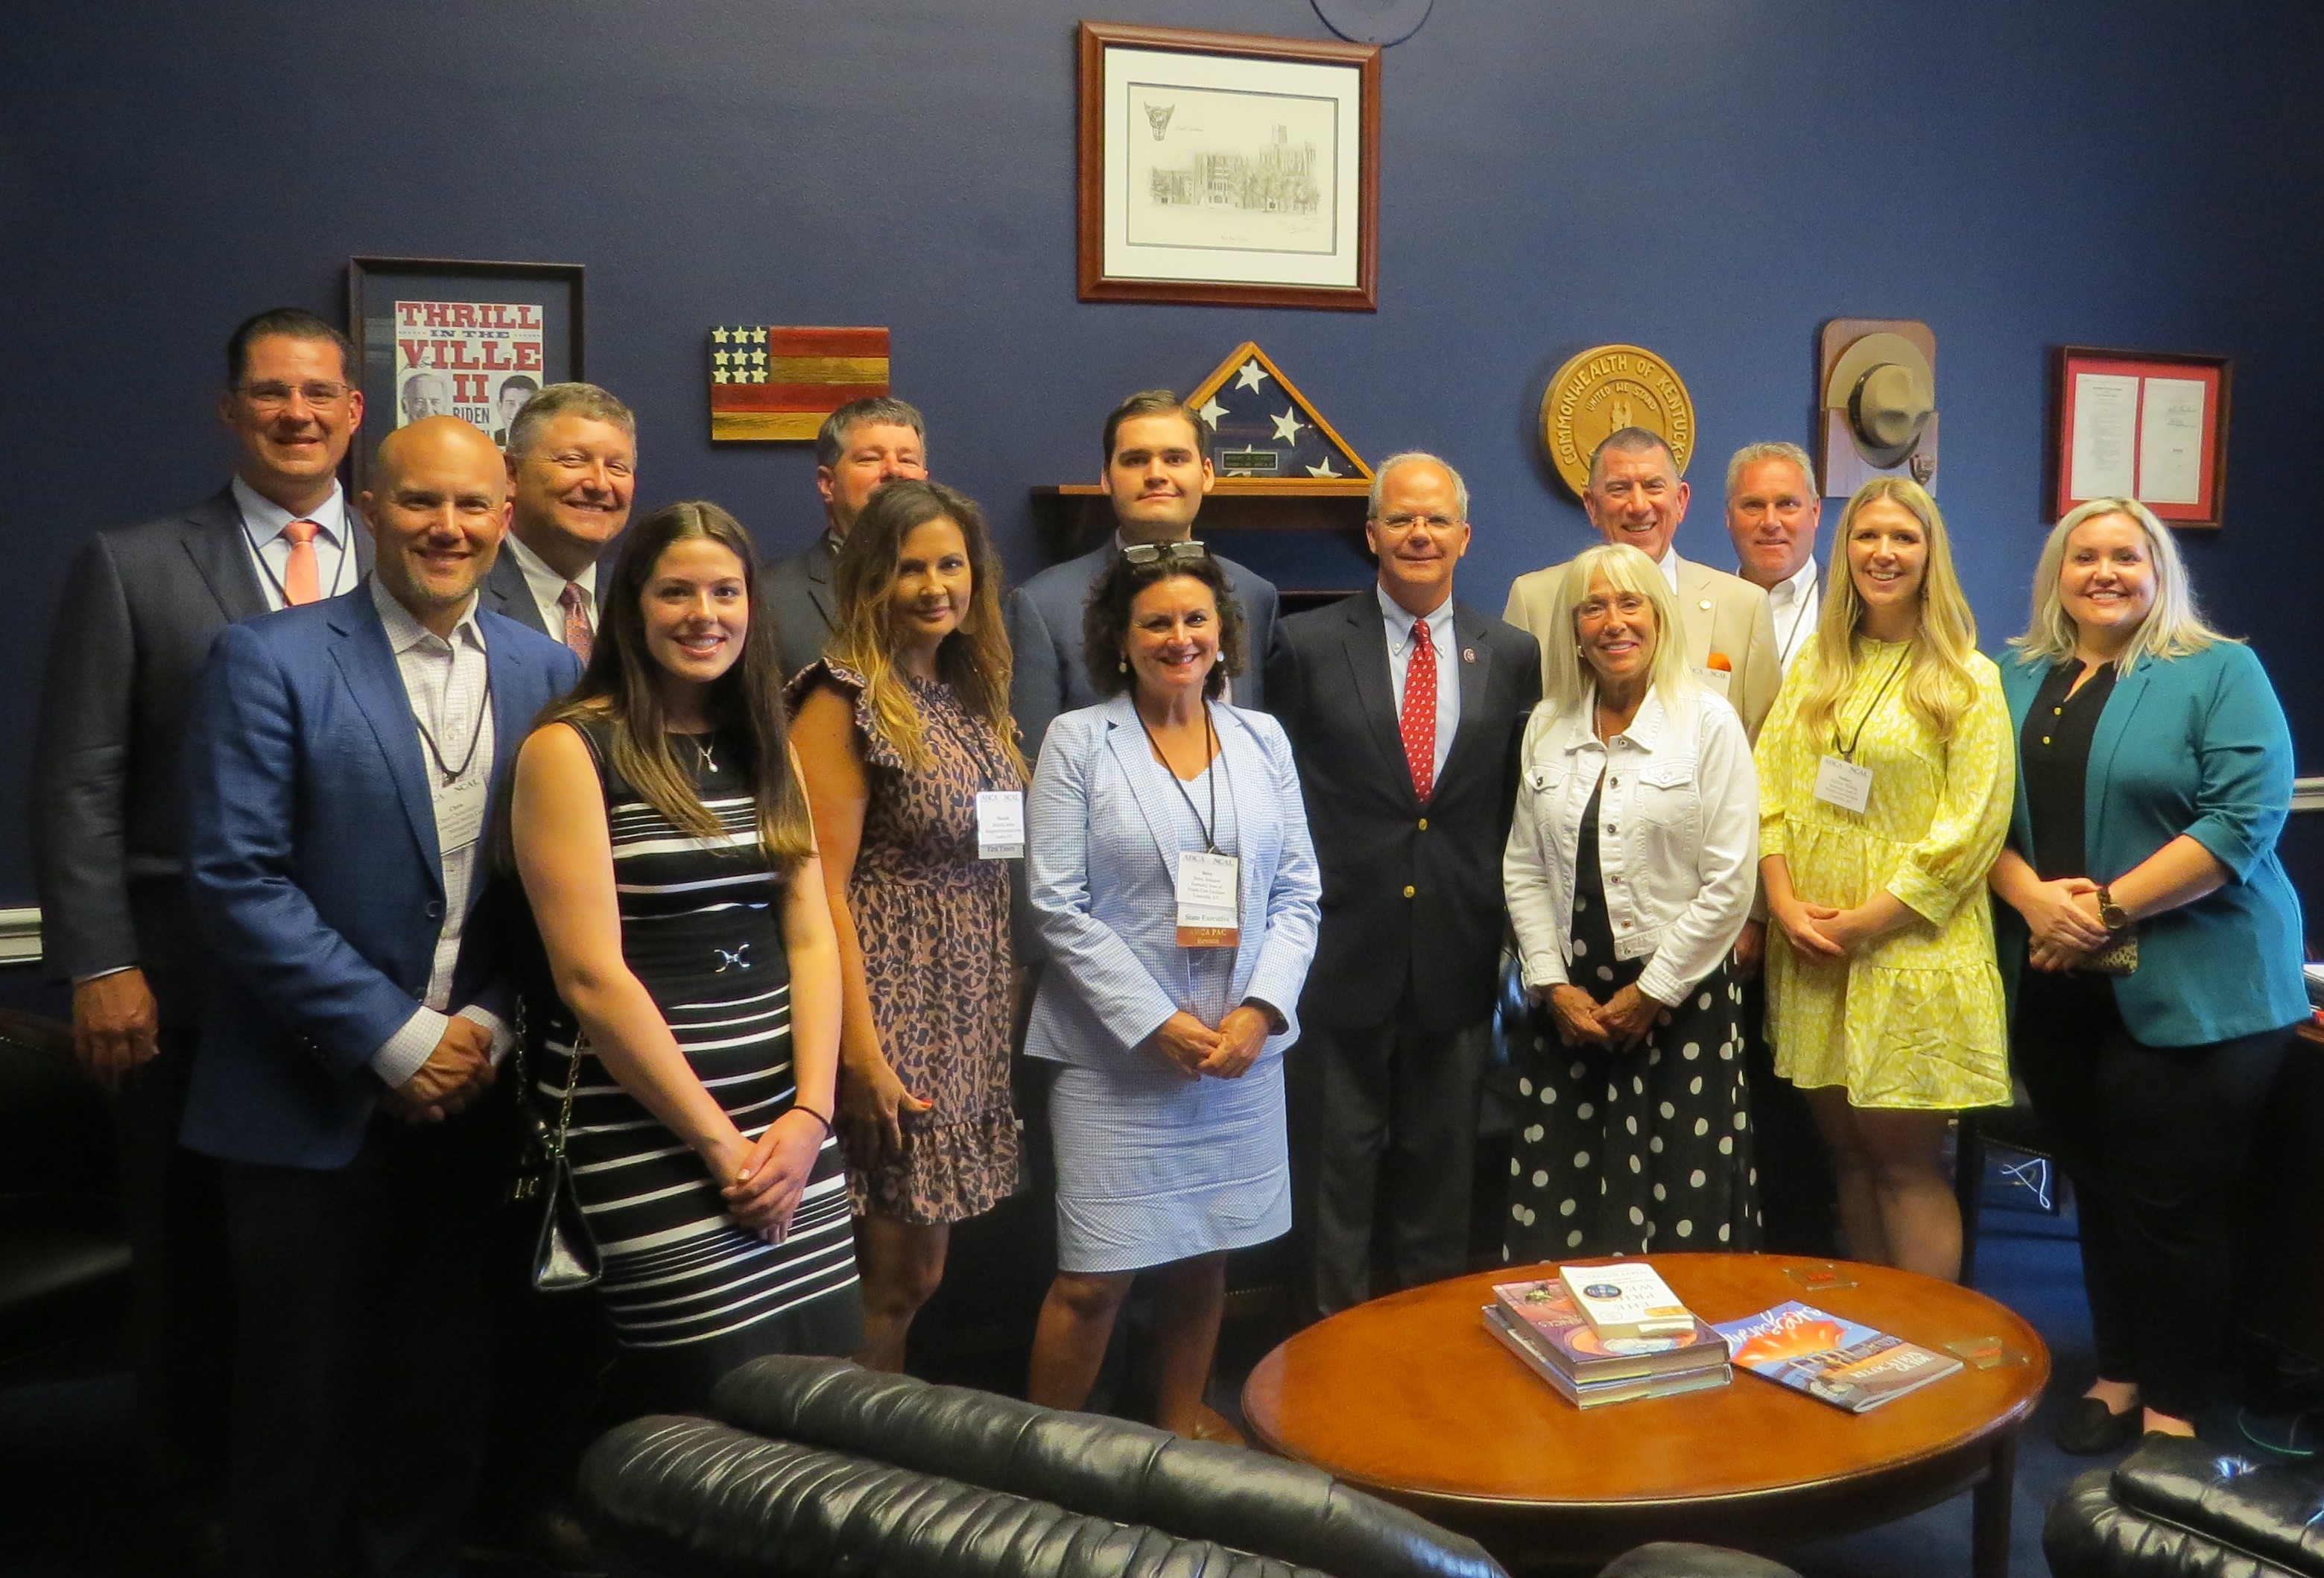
(473, 340)
(2145, 425)
(1228, 168)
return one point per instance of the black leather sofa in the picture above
(812, 1466)
(2178, 1509)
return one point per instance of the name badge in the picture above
(1000, 825)
(1843, 784)
(460, 813)
(1210, 900)
(1714, 680)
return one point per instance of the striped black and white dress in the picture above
(701, 929)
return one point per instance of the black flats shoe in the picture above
(2089, 1427)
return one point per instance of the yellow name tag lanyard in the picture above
(1838, 780)
(1209, 884)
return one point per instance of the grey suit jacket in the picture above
(797, 590)
(507, 594)
(1044, 636)
(140, 607)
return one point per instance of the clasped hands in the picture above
(2063, 918)
(1820, 933)
(1617, 1024)
(459, 1071)
(1195, 1049)
(762, 1182)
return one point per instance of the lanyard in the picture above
(1894, 670)
(453, 775)
(1790, 642)
(1210, 740)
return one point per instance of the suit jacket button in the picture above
(435, 909)
(1424, 824)
(1409, 890)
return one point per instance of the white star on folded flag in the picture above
(1250, 376)
(1288, 426)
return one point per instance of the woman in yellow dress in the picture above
(1885, 785)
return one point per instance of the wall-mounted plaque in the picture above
(2145, 425)
(1603, 391)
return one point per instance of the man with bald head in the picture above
(1405, 710)
(1636, 496)
(340, 765)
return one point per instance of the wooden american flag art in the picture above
(772, 383)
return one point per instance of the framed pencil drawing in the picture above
(1228, 168)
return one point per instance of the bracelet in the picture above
(810, 1111)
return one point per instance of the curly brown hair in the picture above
(1105, 619)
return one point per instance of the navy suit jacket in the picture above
(1412, 892)
(798, 591)
(1044, 636)
(509, 595)
(312, 858)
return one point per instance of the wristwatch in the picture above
(2111, 915)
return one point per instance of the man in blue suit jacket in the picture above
(1157, 467)
(340, 767)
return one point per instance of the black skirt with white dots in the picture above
(1624, 1153)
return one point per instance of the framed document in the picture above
(1224, 167)
(473, 340)
(2145, 425)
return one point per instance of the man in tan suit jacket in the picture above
(1634, 496)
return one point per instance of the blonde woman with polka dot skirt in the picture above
(1629, 874)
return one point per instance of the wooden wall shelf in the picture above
(1071, 516)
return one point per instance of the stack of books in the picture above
(1608, 1334)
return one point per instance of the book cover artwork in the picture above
(1849, 1366)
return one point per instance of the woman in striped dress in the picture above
(663, 838)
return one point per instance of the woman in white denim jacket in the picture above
(1630, 870)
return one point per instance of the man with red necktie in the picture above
(1405, 710)
(134, 627)
(573, 471)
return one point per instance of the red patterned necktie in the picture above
(302, 579)
(1419, 722)
(578, 635)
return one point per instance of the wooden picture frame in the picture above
(458, 337)
(1249, 177)
(2147, 425)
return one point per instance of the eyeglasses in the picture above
(273, 396)
(1407, 523)
(1177, 553)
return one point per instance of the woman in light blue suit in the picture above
(1168, 1019)
(2155, 772)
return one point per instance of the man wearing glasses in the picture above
(133, 629)
(1406, 710)
(1157, 467)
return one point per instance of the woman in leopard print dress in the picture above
(901, 728)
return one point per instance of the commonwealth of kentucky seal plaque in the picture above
(1606, 389)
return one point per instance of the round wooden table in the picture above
(1410, 1398)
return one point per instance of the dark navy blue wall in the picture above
(1711, 181)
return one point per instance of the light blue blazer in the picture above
(1103, 858)
(2195, 745)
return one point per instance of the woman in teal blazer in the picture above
(2155, 773)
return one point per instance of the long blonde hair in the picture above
(2174, 627)
(973, 660)
(1938, 685)
(1626, 569)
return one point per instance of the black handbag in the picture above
(564, 1254)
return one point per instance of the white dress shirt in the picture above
(1794, 604)
(547, 587)
(262, 520)
(1678, 838)
(1670, 563)
(449, 688)
(1400, 623)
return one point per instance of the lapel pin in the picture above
(1468, 654)
(1704, 606)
